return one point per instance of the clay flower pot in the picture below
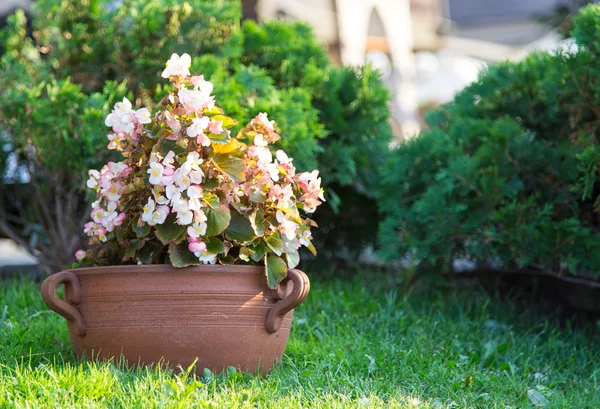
(221, 315)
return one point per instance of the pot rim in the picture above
(167, 268)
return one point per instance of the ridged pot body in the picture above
(160, 314)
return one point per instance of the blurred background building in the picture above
(426, 50)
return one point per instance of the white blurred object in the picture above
(380, 61)
(440, 76)
(13, 254)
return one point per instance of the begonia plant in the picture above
(187, 192)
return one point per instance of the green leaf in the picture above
(257, 222)
(212, 200)
(228, 122)
(147, 253)
(257, 196)
(275, 243)
(228, 148)
(169, 231)
(168, 145)
(134, 246)
(225, 260)
(214, 245)
(181, 256)
(231, 166)
(246, 253)
(276, 270)
(292, 259)
(221, 138)
(239, 229)
(258, 250)
(140, 231)
(312, 249)
(217, 220)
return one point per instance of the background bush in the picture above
(507, 174)
(82, 55)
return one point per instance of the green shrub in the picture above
(334, 119)
(507, 174)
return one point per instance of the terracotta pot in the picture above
(221, 315)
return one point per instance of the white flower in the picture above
(200, 217)
(196, 230)
(194, 160)
(194, 192)
(264, 155)
(92, 182)
(156, 173)
(185, 217)
(272, 170)
(148, 210)
(305, 238)
(197, 127)
(200, 83)
(205, 257)
(197, 176)
(113, 193)
(180, 205)
(173, 193)
(117, 168)
(287, 227)
(195, 204)
(195, 100)
(259, 140)
(169, 159)
(182, 179)
(160, 198)
(143, 116)
(177, 66)
(123, 108)
(154, 216)
(121, 117)
(159, 216)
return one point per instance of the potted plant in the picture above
(194, 237)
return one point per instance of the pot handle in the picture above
(300, 289)
(65, 307)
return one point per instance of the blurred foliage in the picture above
(561, 15)
(59, 82)
(507, 176)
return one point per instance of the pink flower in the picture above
(167, 178)
(80, 255)
(261, 121)
(196, 246)
(215, 127)
(100, 233)
(119, 219)
(97, 214)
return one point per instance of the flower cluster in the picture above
(189, 192)
(105, 217)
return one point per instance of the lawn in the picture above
(358, 343)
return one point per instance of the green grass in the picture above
(354, 344)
